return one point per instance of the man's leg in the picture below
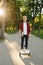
(22, 41)
(26, 41)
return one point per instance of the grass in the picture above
(11, 32)
(36, 34)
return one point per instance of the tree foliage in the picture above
(13, 12)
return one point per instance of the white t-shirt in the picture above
(24, 28)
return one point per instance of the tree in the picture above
(2, 17)
(13, 12)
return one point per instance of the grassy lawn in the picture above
(11, 32)
(36, 33)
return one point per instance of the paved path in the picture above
(9, 51)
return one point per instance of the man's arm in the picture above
(28, 28)
(20, 30)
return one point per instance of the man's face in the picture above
(24, 18)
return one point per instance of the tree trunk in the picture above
(2, 28)
(3, 20)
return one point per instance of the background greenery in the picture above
(15, 9)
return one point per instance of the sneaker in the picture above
(26, 51)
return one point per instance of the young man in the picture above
(24, 31)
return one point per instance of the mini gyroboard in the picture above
(24, 53)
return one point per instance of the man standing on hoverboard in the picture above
(24, 30)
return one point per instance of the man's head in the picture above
(24, 18)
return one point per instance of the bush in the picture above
(10, 30)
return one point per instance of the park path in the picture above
(9, 51)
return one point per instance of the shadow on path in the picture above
(5, 58)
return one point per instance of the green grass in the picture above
(36, 34)
(41, 34)
(11, 32)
